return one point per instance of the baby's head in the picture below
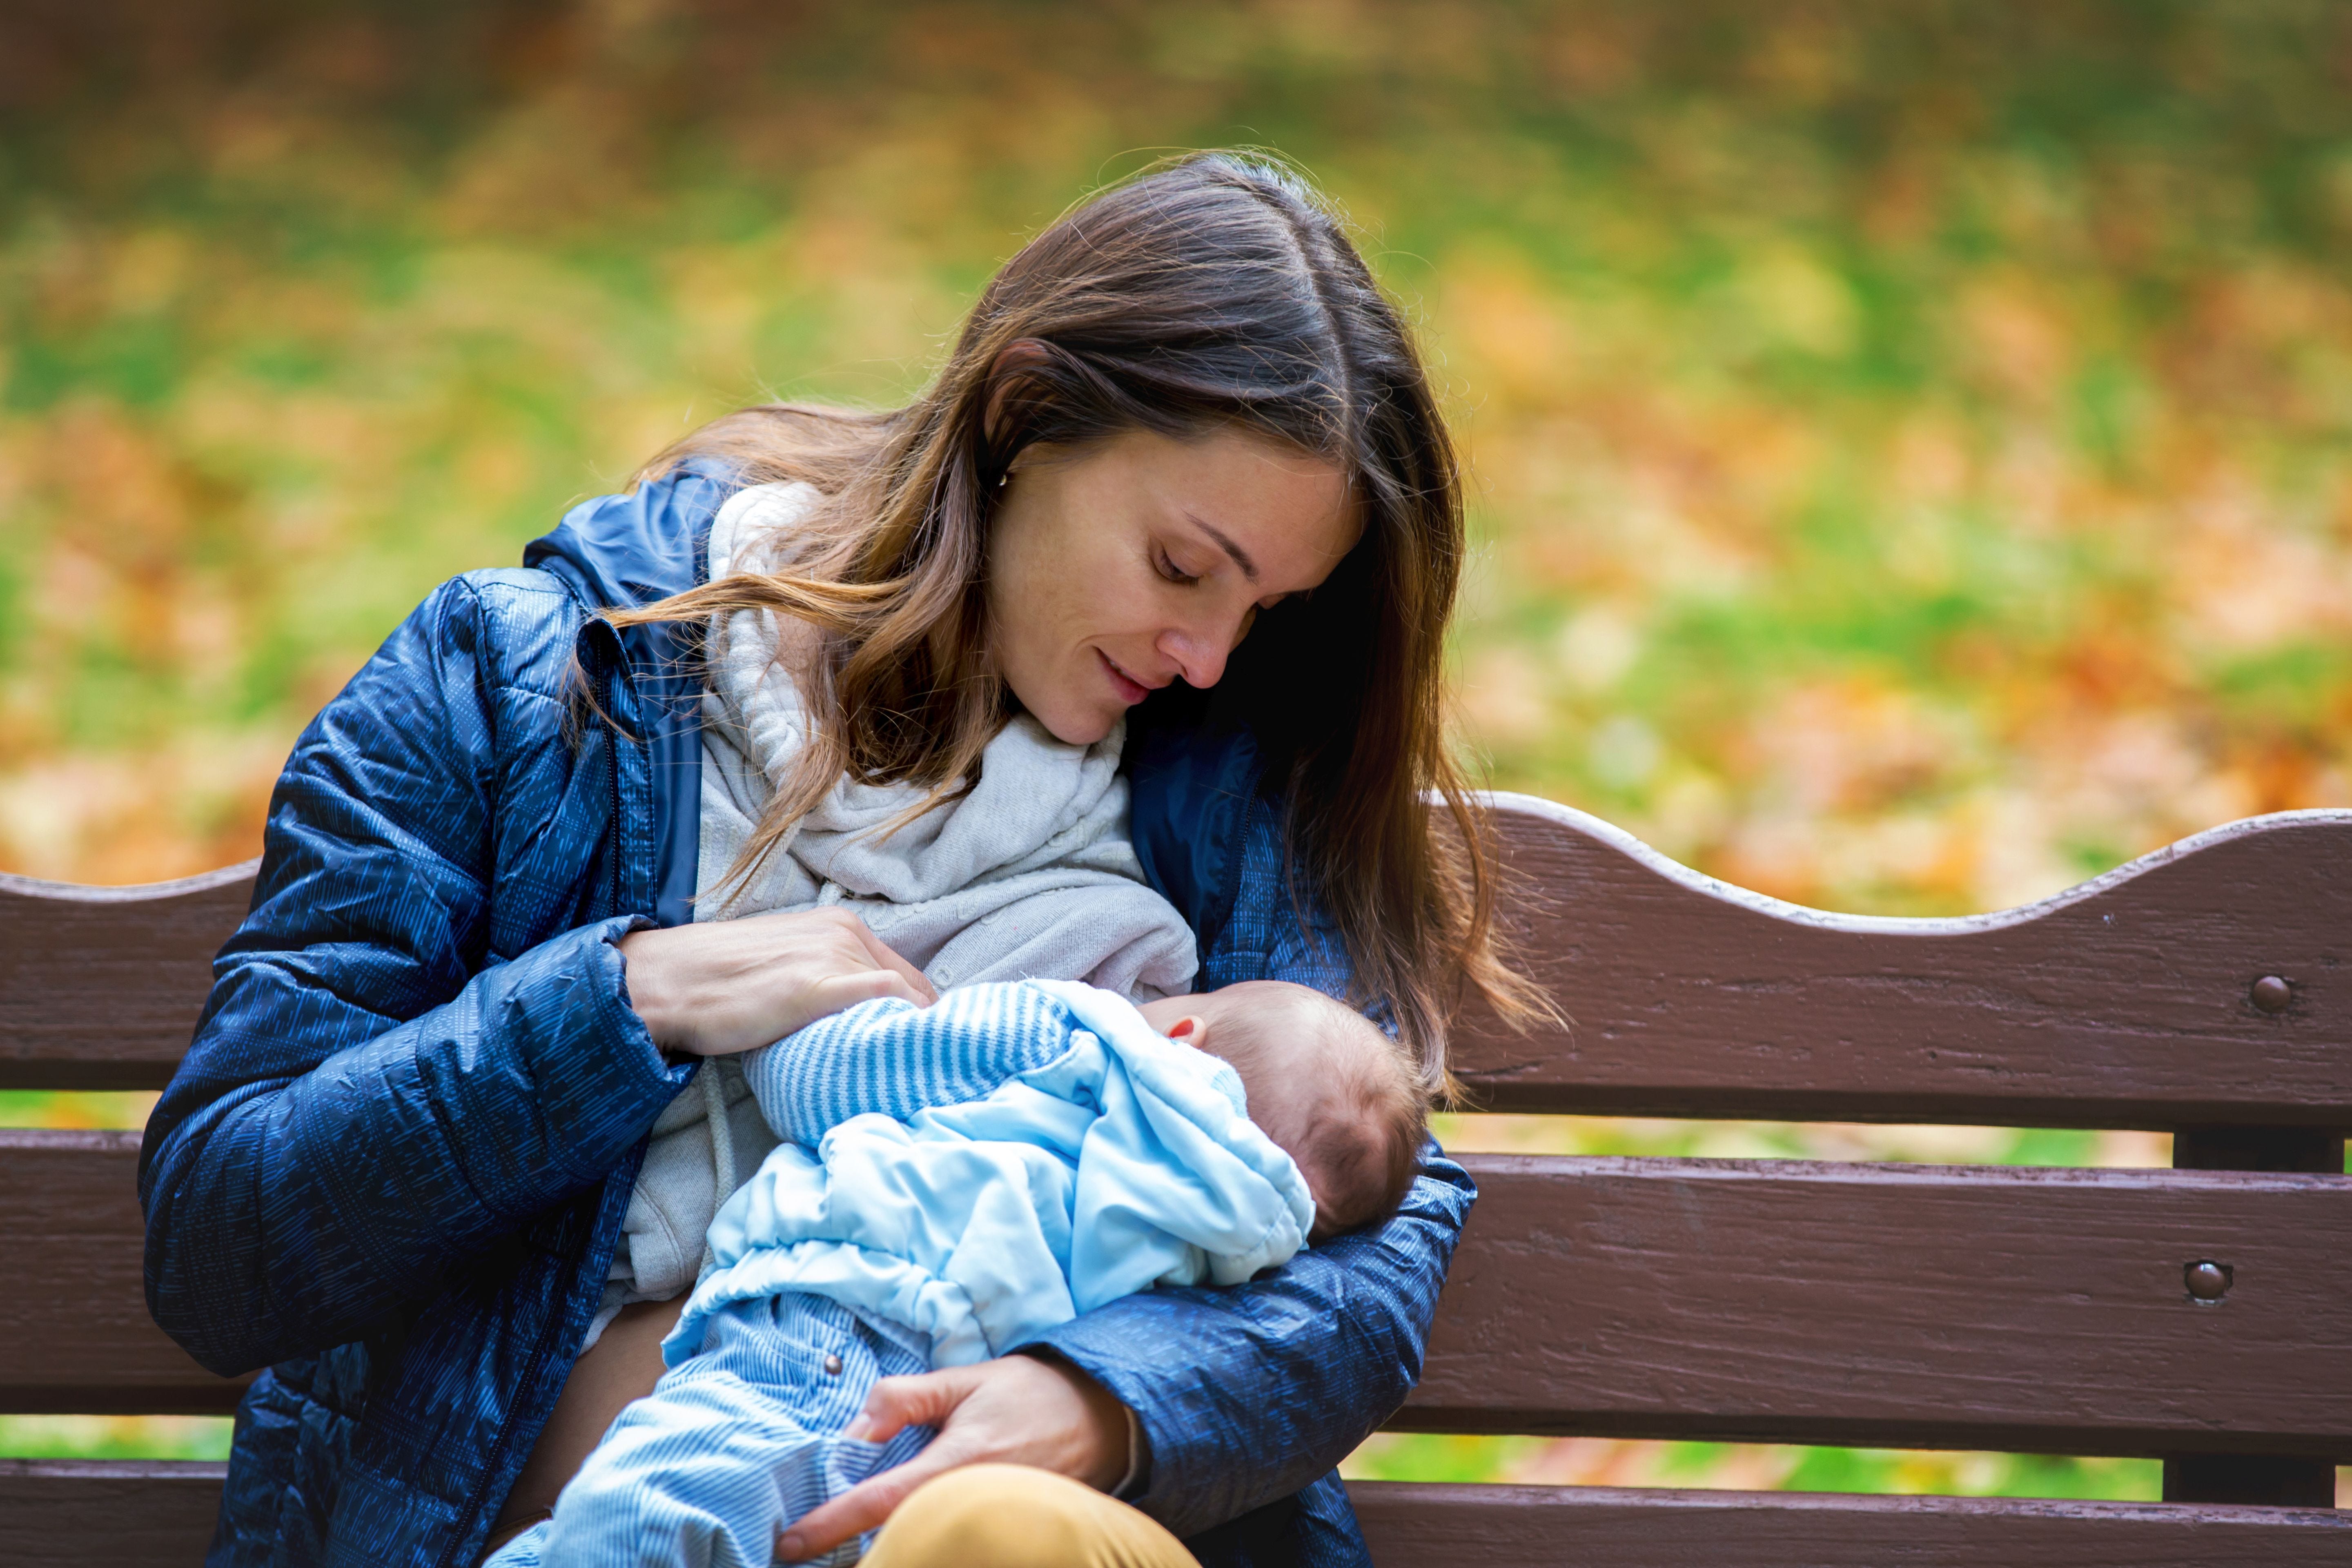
(1324, 1083)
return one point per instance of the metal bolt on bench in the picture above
(2203, 1314)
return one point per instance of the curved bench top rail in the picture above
(2125, 1002)
(100, 988)
(238, 877)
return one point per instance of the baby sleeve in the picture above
(891, 1056)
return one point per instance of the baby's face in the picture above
(1291, 1049)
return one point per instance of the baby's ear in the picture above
(1192, 1028)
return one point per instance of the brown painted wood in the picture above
(105, 1513)
(2278, 1479)
(82, 1344)
(1910, 1306)
(99, 987)
(1410, 1526)
(2125, 1003)
(1903, 1305)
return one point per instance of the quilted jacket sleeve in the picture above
(1247, 1395)
(378, 1088)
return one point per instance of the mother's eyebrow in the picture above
(1241, 557)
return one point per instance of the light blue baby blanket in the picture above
(1118, 1160)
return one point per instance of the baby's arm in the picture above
(891, 1056)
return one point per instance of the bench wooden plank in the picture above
(2124, 1003)
(1774, 1301)
(100, 988)
(141, 1513)
(1408, 1525)
(1901, 1306)
(83, 1343)
(106, 1514)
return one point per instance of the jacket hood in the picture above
(636, 547)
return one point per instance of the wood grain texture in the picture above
(82, 1344)
(99, 987)
(1903, 1306)
(1910, 1306)
(2124, 1003)
(144, 1513)
(1410, 1526)
(106, 1514)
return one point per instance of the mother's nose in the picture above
(1199, 653)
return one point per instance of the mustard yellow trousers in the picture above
(1010, 1516)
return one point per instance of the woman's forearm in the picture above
(1248, 1394)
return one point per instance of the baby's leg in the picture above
(730, 1445)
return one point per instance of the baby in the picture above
(954, 1181)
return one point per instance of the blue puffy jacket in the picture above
(393, 1167)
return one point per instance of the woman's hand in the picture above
(1016, 1409)
(735, 985)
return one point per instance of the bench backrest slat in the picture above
(2125, 1003)
(100, 988)
(1907, 1306)
(1900, 1306)
(1555, 1527)
(81, 1342)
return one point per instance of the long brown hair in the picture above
(1217, 290)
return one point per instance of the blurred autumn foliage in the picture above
(1913, 440)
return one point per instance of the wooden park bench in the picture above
(2203, 1314)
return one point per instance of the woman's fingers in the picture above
(894, 1405)
(865, 1506)
(836, 992)
(1020, 1409)
(921, 992)
(898, 1403)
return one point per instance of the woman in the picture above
(1183, 467)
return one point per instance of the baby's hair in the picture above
(1361, 1164)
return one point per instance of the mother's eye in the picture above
(1170, 570)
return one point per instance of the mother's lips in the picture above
(1130, 690)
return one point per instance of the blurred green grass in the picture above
(1912, 442)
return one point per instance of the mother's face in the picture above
(1118, 567)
